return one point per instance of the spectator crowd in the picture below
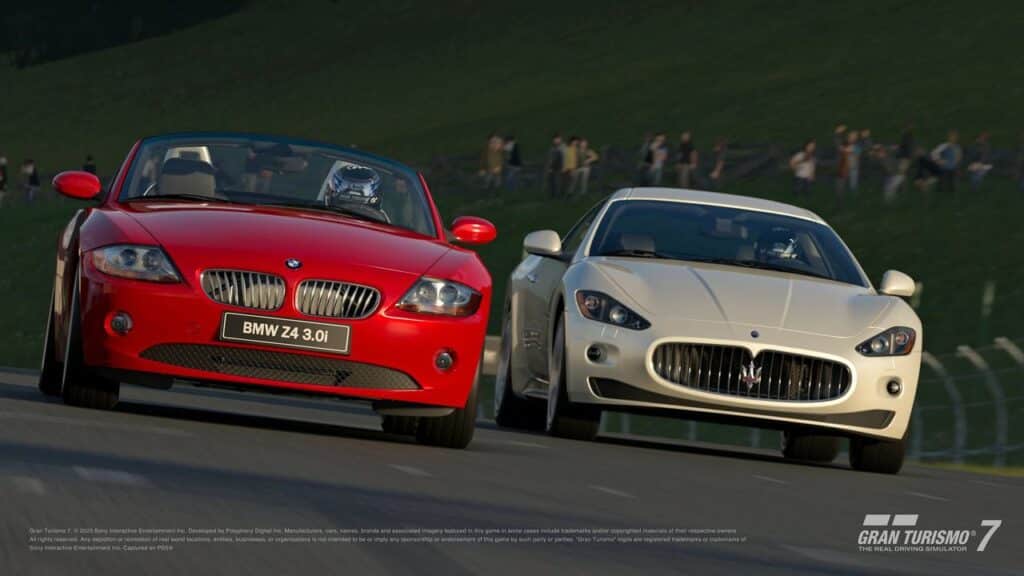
(854, 155)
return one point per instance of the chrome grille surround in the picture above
(721, 369)
(333, 299)
(256, 290)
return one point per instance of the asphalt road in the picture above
(203, 459)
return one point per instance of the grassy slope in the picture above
(416, 79)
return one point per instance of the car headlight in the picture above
(603, 308)
(898, 341)
(138, 262)
(433, 296)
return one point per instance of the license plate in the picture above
(285, 332)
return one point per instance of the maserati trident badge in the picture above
(293, 264)
(750, 375)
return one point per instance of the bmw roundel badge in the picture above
(293, 264)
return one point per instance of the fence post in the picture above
(1007, 345)
(959, 416)
(998, 399)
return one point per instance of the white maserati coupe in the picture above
(713, 307)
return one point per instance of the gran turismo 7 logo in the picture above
(899, 533)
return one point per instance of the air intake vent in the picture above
(244, 289)
(336, 299)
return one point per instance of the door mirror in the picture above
(543, 243)
(473, 230)
(896, 283)
(77, 184)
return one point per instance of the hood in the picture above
(261, 238)
(742, 296)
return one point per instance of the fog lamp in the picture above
(121, 323)
(894, 387)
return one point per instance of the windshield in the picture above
(720, 235)
(278, 172)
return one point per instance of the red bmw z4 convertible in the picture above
(272, 264)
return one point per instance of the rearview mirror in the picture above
(77, 184)
(896, 283)
(543, 243)
(473, 230)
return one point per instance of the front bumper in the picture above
(624, 379)
(175, 337)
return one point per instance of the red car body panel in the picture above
(200, 236)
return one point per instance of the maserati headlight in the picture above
(898, 341)
(138, 262)
(603, 308)
(433, 296)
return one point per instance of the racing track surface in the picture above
(202, 458)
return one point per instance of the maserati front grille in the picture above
(733, 370)
(331, 299)
(244, 289)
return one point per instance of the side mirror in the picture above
(77, 184)
(543, 243)
(473, 230)
(895, 283)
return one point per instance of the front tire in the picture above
(80, 386)
(565, 419)
(809, 447)
(511, 411)
(454, 430)
(879, 456)
(51, 372)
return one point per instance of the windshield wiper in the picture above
(639, 254)
(760, 266)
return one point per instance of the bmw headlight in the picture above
(433, 296)
(138, 262)
(603, 308)
(898, 341)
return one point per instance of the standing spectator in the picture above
(905, 153)
(657, 153)
(3, 179)
(553, 166)
(586, 157)
(570, 162)
(718, 167)
(855, 149)
(513, 163)
(839, 137)
(30, 177)
(942, 163)
(979, 161)
(686, 165)
(492, 159)
(803, 164)
(643, 161)
(842, 164)
(890, 161)
(90, 165)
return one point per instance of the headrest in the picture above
(637, 242)
(181, 166)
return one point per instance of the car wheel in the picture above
(80, 386)
(403, 425)
(511, 411)
(454, 430)
(809, 447)
(51, 372)
(564, 418)
(873, 455)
